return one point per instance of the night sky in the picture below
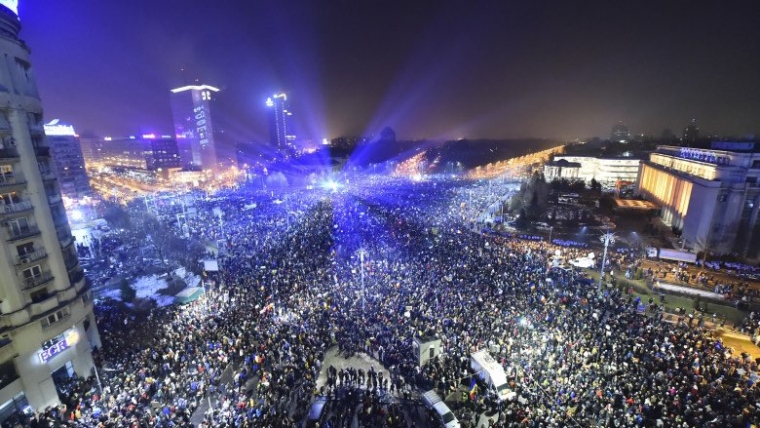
(429, 69)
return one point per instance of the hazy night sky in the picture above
(435, 69)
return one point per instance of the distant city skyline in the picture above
(427, 69)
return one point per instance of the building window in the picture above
(39, 295)
(18, 226)
(56, 317)
(32, 272)
(25, 249)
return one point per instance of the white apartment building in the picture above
(47, 328)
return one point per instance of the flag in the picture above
(473, 388)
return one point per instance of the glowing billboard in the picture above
(56, 128)
(58, 344)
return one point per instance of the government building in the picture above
(608, 171)
(711, 195)
(47, 328)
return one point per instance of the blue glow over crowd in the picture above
(367, 268)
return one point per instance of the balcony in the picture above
(9, 153)
(76, 276)
(70, 262)
(41, 152)
(47, 173)
(17, 207)
(54, 199)
(38, 280)
(36, 129)
(66, 240)
(8, 372)
(60, 220)
(27, 232)
(44, 304)
(11, 181)
(30, 257)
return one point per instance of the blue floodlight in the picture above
(331, 185)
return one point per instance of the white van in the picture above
(488, 369)
(445, 416)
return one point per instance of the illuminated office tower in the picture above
(620, 133)
(67, 155)
(191, 106)
(691, 132)
(281, 133)
(47, 328)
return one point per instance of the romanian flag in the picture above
(473, 388)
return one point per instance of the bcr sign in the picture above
(47, 354)
(63, 342)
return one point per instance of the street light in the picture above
(607, 239)
(361, 260)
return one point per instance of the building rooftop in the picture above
(194, 88)
(565, 164)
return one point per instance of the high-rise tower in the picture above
(47, 328)
(620, 133)
(69, 162)
(191, 106)
(280, 121)
(691, 132)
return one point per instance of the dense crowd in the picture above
(370, 268)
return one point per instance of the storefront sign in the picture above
(58, 344)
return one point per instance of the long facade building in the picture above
(47, 328)
(607, 171)
(712, 196)
(149, 152)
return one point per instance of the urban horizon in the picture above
(445, 72)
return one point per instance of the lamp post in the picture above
(607, 239)
(361, 260)
(551, 229)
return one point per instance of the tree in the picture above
(534, 209)
(595, 186)
(128, 293)
(522, 221)
(115, 215)
(192, 259)
(578, 186)
(148, 229)
(532, 199)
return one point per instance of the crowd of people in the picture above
(368, 269)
